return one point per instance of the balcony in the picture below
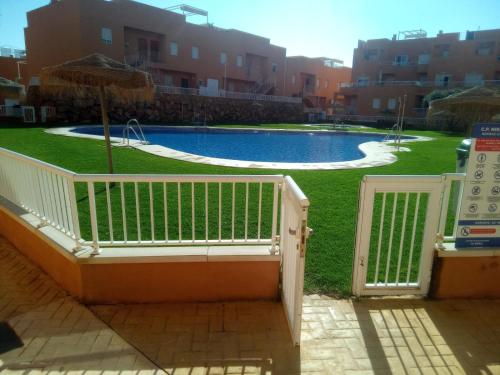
(202, 91)
(430, 84)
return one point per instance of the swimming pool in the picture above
(259, 148)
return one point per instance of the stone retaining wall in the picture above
(171, 108)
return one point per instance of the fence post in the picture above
(277, 187)
(93, 218)
(74, 213)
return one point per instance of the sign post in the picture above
(479, 218)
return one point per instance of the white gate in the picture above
(294, 233)
(398, 221)
(28, 114)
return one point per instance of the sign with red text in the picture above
(479, 217)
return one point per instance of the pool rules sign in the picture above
(479, 220)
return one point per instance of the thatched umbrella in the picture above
(467, 107)
(108, 76)
(10, 89)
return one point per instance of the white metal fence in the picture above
(442, 84)
(44, 190)
(11, 111)
(168, 210)
(398, 224)
(262, 97)
(145, 210)
(157, 210)
(26, 112)
(178, 90)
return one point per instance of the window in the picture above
(422, 77)
(195, 53)
(473, 79)
(274, 67)
(223, 57)
(326, 84)
(391, 103)
(388, 78)
(168, 80)
(174, 49)
(371, 54)
(485, 49)
(362, 81)
(143, 49)
(441, 50)
(106, 35)
(317, 83)
(423, 59)
(376, 103)
(293, 79)
(442, 79)
(239, 60)
(154, 47)
(401, 60)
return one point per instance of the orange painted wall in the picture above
(143, 282)
(466, 277)
(41, 251)
(203, 281)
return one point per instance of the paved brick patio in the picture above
(59, 334)
(375, 336)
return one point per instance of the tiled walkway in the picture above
(377, 336)
(60, 336)
(382, 336)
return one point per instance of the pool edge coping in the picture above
(376, 153)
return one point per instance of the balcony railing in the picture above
(442, 84)
(100, 210)
(228, 94)
(178, 90)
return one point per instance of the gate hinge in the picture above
(439, 241)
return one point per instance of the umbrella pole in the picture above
(105, 123)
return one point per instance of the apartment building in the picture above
(316, 80)
(13, 68)
(413, 64)
(176, 52)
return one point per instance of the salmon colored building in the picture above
(316, 80)
(415, 65)
(176, 52)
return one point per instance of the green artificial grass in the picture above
(333, 194)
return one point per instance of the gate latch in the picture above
(304, 234)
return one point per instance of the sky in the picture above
(311, 28)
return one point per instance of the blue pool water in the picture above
(254, 145)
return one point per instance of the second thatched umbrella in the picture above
(467, 107)
(108, 76)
